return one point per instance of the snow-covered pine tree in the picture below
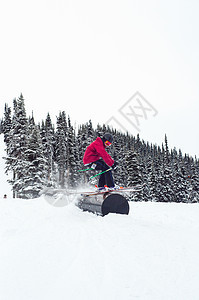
(90, 132)
(61, 149)
(82, 139)
(178, 184)
(35, 177)
(184, 175)
(133, 173)
(78, 179)
(124, 144)
(80, 142)
(192, 180)
(145, 166)
(163, 178)
(1, 126)
(98, 130)
(71, 163)
(167, 174)
(147, 171)
(48, 142)
(195, 180)
(117, 151)
(166, 152)
(153, 184)
(7, 124)
(17, 146)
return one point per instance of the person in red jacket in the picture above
(97, 158)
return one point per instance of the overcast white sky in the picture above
(89, 57)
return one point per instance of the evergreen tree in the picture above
(167, 154)
(133, 173)
(117, 150)
(81, 144)
(71, 162)
(1, 126)
(167, 174)
(61, 149)
(17, 146)
(35, 177)
(24, 154)
(90, 132)
(49, 142)
(7, 124)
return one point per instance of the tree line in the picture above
(44, 155)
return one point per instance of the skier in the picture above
(97, 158)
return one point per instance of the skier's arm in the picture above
(105, 156)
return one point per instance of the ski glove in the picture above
(93, 166)
(114, 166)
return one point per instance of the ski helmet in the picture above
(107, 137)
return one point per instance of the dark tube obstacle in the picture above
(104, 204)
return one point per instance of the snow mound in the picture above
(49, 252)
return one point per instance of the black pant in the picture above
(105, 178)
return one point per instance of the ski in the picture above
(136, 188)
(53, 191)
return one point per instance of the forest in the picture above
(50, 155)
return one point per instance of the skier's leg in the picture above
(102, 181)
(100, 165)
(109, 179)
(105, 178)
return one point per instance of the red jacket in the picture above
(95, 151)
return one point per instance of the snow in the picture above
(59, 252)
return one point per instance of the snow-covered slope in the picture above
(59, 253)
